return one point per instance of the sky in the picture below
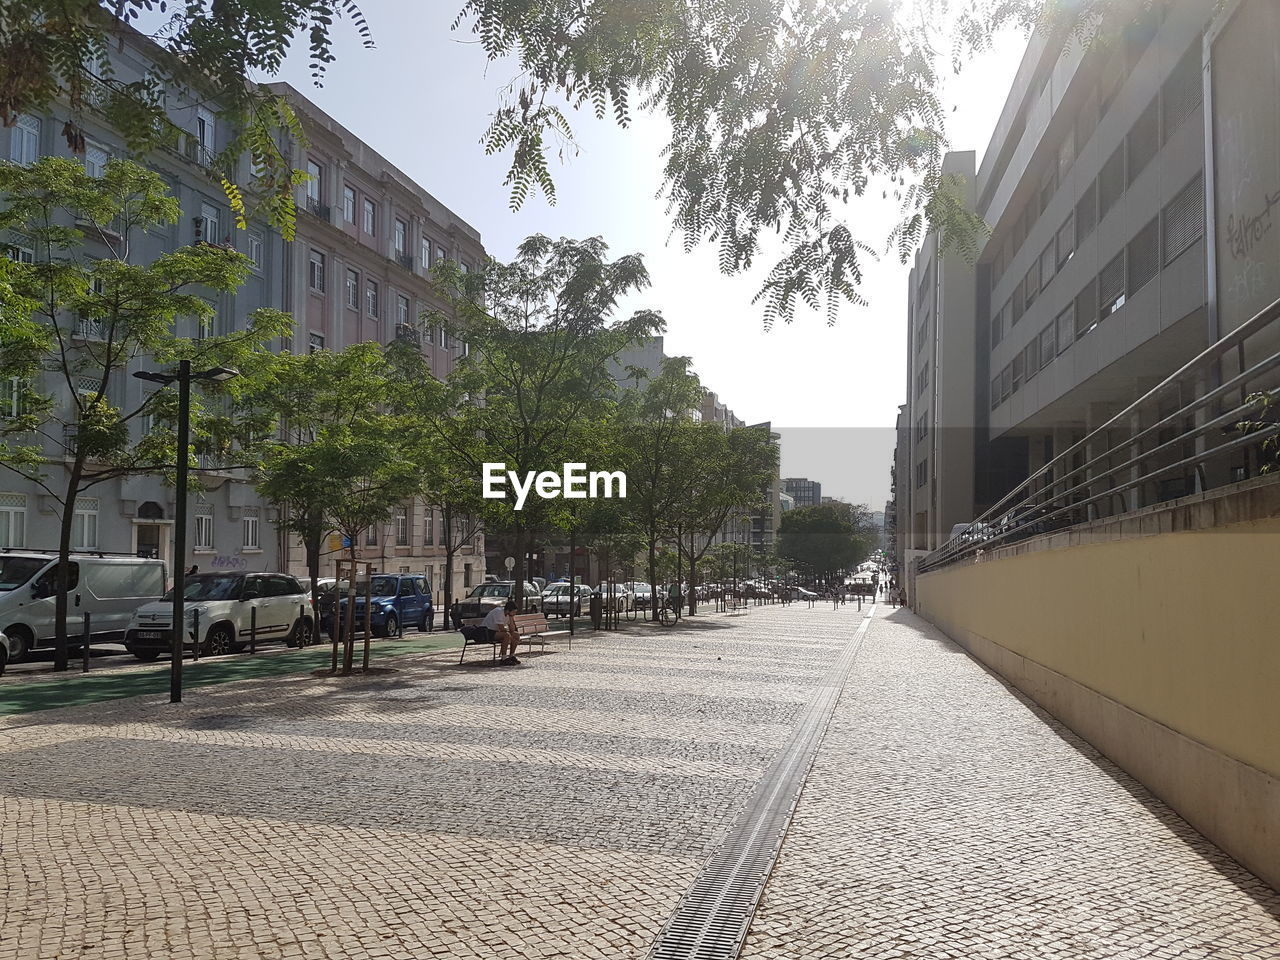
(423, 99)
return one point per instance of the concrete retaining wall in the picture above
(1154, 636)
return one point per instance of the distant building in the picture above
(807, 493)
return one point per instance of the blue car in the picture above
(399, 600)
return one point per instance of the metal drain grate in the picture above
(711, 921)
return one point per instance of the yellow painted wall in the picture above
(1184, 628)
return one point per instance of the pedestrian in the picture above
(455, 614)
(195, 568)
(500, 622)
(596, 608)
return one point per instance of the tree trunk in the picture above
(311, 541)
(349, 625)
(653, 574)
(63, 576)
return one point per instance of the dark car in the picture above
(486, 596)
(397, 599)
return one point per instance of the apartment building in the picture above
(1093, 285)
(367, 237)
(231, 528)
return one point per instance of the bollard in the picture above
(307, 637)
(253, 629)
(195, 644)
(84, 648)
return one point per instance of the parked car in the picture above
(223, 603)
(4, 653)
(486, 596)
(617, 596)
(397, 599)
(109, 589)
(557, 600)
(642, 592)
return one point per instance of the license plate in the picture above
(149, 634)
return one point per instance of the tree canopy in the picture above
(780, 112)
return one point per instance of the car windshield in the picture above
(492, 590)
(15, 571)
(210, 586)
(384, 587)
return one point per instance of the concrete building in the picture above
(1092, 286)
(805, 492)
(938, 489)
(231, 528)
(367, 236)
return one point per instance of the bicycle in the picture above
(669, 612)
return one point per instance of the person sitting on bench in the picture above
(500, 623)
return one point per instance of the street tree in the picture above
(535, 380)
(729, 472)
(661, 435)
(825, 539)
(779, 112)
(77, 324)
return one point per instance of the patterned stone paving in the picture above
(557, 809)
(945, 817)
(561, 808)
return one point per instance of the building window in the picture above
(1048, 344)
(1016, 372)
(1144, 140)
(1066, 154)
(315, 271)
(444, 337)
(1111, 183)
(425, 250)
(203, 530)
(1087, 212)
(1031, 358)
(370, 217)
(205, 135)
(1184, 220)
(1143, 257)
(249, 521)
(1066, 241)
(429, 527)
(466, 575)
(1066, 323)
(1006, 382)
(95, 160)
(1086, 309)
(402, 309)
(13, 520)
(255, 251)
(995, 391)
(401, 237)
(315, 342)
(24, 142)
(1032, 285)
(371, 298)
(922, 379)
(348, 204)
(402, 526)
(315, 182)
(84, 524)
(208, 223)
(1183, 91)
(371, 535)
(1018, 304)
(20, 251)
(1048, 263)
(1111, 286)
(922, 427)
(997, 328)
(922, 472)
(441, 254)
(353, 289)
(10, 397)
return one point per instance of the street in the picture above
(563, 807)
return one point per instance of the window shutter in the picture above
(1184, 219)
(1144, 257)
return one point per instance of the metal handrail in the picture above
(994, 526)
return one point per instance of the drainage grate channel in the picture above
(711, 921)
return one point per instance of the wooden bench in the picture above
(531, 628)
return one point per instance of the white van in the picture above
(108, 588)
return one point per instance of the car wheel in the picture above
(144, 655)
(19, 643)
(392, 626)
(219, 641)
(300, 635)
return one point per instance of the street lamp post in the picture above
(183, 379)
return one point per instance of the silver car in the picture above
(556, 601)
(4, 653)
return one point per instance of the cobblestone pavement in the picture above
(561, 808)
(557, 809)
(946, 817)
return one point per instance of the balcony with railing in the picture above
(317, 209)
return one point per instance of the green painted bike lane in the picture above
(71, 690)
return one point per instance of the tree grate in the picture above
(712, 919)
